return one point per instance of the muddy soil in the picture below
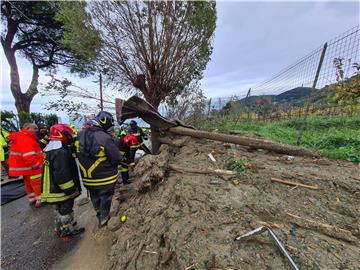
(184, 222)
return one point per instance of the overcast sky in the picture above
(252, 42)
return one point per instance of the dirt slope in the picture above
(184, 222)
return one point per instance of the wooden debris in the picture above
(355, 178)
(292, 183)
(329, 230)
(151, 252)
(138, 251)
(257, 143)
(318, 224)
(205, 171)
(268, 224)
(211, 157)
(190, 267)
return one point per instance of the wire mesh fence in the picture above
(341, 61)
(298, 90)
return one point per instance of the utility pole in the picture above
(101, 94)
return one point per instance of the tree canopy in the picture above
(34, 30)
(156, 47)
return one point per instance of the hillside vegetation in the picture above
(337, 137)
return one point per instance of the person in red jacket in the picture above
(26, 160)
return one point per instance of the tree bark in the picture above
(155, 135)
(22, 100)
(251, 142)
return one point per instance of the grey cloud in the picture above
(253, 41)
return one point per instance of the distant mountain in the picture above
(296, 97)
(296, 93)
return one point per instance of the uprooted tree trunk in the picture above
(246, 141)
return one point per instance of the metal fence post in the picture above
(313, 89)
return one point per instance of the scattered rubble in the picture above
(177, 220)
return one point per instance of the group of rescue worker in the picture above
(47, 161)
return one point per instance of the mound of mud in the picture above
(178, 220)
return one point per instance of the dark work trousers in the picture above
(65, 207)
(124, 173)
(101, 200)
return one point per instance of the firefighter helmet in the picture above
(105, 120)
(61, 132)
(131, 140)
(133, 123)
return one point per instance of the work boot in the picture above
(68, 233)
(31, 198)
(38, 204)
(57, 228)
(68, 229)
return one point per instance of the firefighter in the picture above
(43, 136)
(60, 181)
(139, 133)
(99, 158)
(122, 131)
(4, 145)
(125, 143)
(4, 150)
(75, 132)
(26, 160)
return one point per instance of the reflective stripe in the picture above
(123, 170)
(137, 146)
(30, 153)
(54, 197)
(24, 154)
(100, 180)
(46, 180)
(101, 152)
(101, 184)
(96, 163)
(20, 169)
(83, 170)
(77, 146)
(46, 196)
(35, 176)
(16, 153)
(67, 185)
(136, 134)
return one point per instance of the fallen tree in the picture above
(137, 107)
(246, 141)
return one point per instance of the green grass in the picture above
(335, 136)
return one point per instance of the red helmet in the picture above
(60, 132)
(131, 140)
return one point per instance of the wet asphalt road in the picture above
(27, 240)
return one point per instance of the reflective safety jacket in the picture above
(43, 142)
(99, 158)
(26, 157)
(3, 145)
(139, 133)
(75, 132)
(60, 179)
